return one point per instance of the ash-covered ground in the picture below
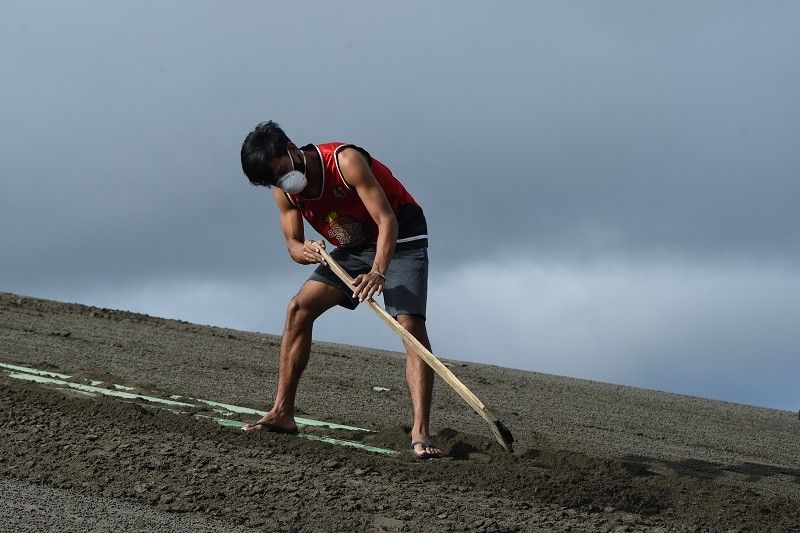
(589, 456)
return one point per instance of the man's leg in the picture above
(313, 299)
(419, 377)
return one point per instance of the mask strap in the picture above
(305, 162)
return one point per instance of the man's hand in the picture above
(368, 285)
(309, 253)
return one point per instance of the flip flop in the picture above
(424, 444)
(270, 428)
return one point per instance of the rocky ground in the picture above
(589, 456)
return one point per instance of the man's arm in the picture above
(300, 250)
(356, 171)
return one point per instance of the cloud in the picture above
(713, 329)
(252, 304)
(661, 131)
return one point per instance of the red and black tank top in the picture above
(339, 215)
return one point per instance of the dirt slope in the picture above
(590, 456)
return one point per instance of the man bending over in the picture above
(380, 232)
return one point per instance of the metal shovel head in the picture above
(504, 436)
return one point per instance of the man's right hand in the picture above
(309, 254)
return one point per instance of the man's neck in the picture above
(314, 175)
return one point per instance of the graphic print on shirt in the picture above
(347, 231)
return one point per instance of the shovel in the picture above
(499, 430)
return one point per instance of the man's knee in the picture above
(412, 323)
(313, 299)
(299, 311)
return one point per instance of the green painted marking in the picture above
(300, 421)
(231, 408)
(98, 390)
(329, 440)
(91, 394)
(227, 422)
(330, 425)
(34, 371)
(50, 378)
(352, 444)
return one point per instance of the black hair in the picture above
(265, 143)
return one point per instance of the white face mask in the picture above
(293, 182)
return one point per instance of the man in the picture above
(380, 232)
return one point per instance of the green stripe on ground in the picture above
(353, 444)
(34, 371)
(300, 421)
(50, 378)
(227, 422)
(98, 390)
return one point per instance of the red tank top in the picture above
(339, 215)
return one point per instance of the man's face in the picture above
(283, 164)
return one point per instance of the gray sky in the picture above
(610, 187)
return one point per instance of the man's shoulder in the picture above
(352, 153)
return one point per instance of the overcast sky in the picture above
(611, 187)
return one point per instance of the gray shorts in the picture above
(406, 289)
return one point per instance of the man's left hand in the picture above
(368, 285)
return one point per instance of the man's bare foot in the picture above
(423, 448)
(272, 424)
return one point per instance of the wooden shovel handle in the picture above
(423, 352)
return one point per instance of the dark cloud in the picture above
(562, 129)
